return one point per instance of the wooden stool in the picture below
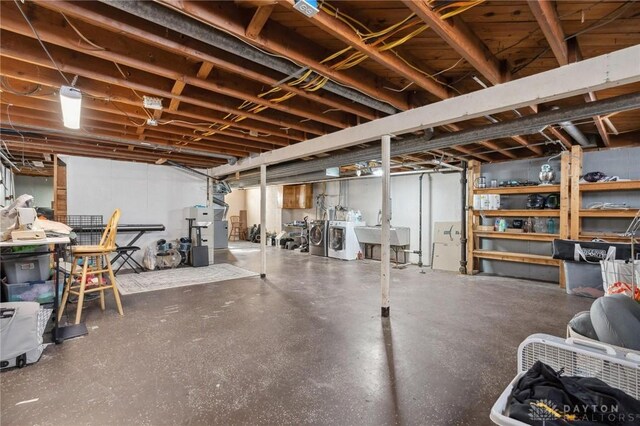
(236, 230)
(99, 256)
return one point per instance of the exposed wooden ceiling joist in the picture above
(159, 37)
(549, 21)
(340, 30)
(462, 39)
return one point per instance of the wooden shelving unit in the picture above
(474, 253)
(517, 213)
(516, 257)
(527, 236)
(577, 210)
(516, 190)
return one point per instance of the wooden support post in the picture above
(576, 198)
(386, 224)
(565, 184)
(263, 220)
(472, 173)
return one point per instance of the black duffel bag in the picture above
(591, 251)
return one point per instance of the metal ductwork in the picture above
(182, 24)
(573, 131)
(529, 124)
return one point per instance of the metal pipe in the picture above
(385, 257)
(263, 221)
(4, 157)
(430, 221)
(207, 34)
(463, 222)
(420, 221)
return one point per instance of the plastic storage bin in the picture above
(39, 291)
(27, 269)
(583, 279)
(616, 367)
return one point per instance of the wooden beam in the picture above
(343, 32)
(467, 151)
(599, 73)
(457, 34)
(136, 60)
(259, 20)
(95, 130)
(602, 130)
(547, 16)
(21, 50)
(488, 144)
(560, 136)
(157, 37)
(105, 121)
(277, 39)
(111, 114)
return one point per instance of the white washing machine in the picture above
(343, 242)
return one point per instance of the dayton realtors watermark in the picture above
(545, 410)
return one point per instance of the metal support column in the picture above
(386, 224)
(263, 220)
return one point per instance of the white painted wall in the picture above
(236, 201)
(39, 186)
(274, 207)
(366, 195)
(146, 194)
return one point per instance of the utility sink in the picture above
(400, 236)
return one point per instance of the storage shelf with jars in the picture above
(517, 210)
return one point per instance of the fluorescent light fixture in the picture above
(151, 102)
(333, 171)
(71, 102)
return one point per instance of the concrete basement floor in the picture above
(306, 345)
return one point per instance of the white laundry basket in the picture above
(617, 368)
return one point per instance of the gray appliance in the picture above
(220, 209)
(318, 237)
(220, 234)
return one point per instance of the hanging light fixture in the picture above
(71, 102)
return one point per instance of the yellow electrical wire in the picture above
(355, 58)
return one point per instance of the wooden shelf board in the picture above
(512, 190)
(610, 186)
(517, 213)
(586, 236)
(608, 213)
(528, 236)
(516, 257)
